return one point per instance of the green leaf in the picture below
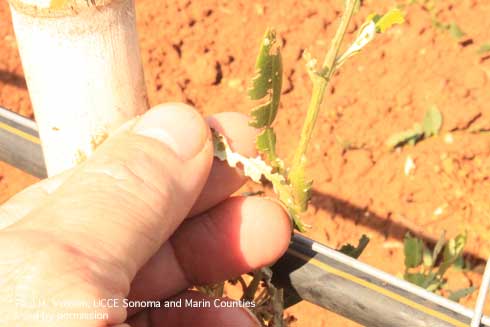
(266, 143)
(413, 247)
(355, 251)
(300, 186)
(440, 25)
(374, 24)
(484, 48)
(456, 31)
(410, 136)
(267, 82)
(256, 169)
(432, 122)
(459, 294)
(438, 247)
(418, 279)
(427, 257)
(452, 251)
(388, 20)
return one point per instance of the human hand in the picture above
(113, 228)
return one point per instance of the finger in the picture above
(21, 204)
(239, 235)
(24, 202)
(213, 312)
(123, 203)
(224, 180)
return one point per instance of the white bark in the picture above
(83, 70)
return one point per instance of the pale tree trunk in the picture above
(82, 64)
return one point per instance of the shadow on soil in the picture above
(14, 79)
(382, 225)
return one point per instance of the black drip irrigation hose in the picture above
(308, 271)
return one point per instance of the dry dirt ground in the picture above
(203, 53)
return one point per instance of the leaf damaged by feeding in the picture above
(267, 82)
(266, 144)
(256, 169)
(374, 24)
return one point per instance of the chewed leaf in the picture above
(432, 122)
(374, 24)
(256, 169)
(388, 20)
(266, 143)
(267, 82)
(300, 186)
(355, 251)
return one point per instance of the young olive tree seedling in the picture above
(290, 183)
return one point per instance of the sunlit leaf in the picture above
(432, 122)
(355, 251)
(388, 20)
(452, 251)
(374, 24)
(267, 82)
(410, 136)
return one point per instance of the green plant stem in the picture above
(320, 82)
(249, 294)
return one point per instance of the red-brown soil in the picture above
(203, 53)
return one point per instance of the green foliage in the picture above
(427, 268)
(267, 82)
(388, 20)
(410, 136)
(430, 126)
(291, 185)
(355, 251)
(413, 251)
(374, 24)
(462, 293)
(484, 48)
(455, 31)
(432, 122)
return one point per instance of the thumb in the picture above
(131, 195)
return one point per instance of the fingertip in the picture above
(235, 127)
(265, 231)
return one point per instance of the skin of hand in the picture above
(113, 228)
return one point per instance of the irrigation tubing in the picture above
(309, 270)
